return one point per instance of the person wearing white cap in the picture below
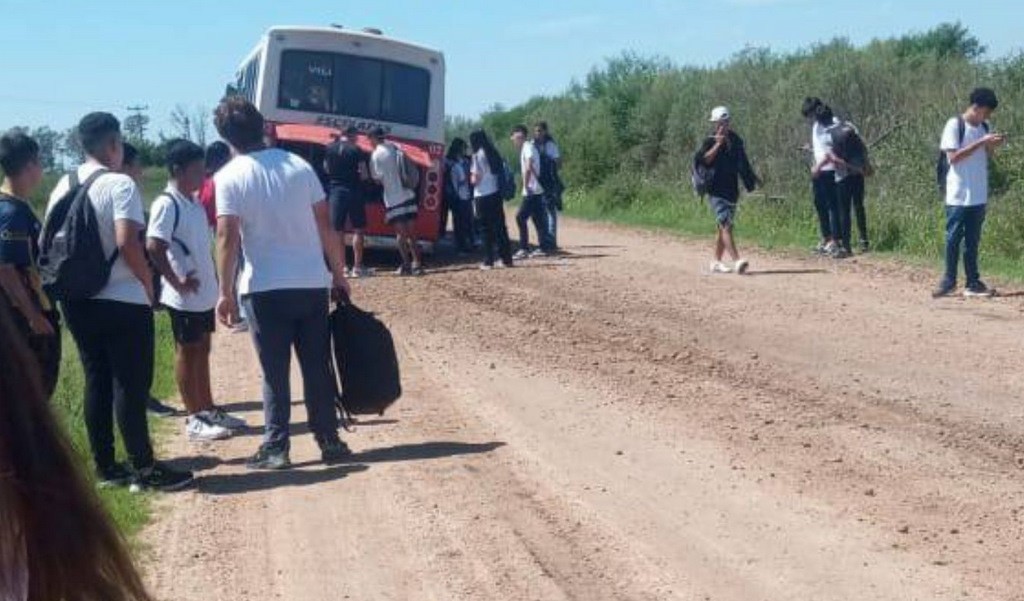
(724, 154)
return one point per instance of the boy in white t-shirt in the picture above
(967, 143)
(179, 244)
(532, 208)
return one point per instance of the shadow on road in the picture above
(787, 272)
(425, 450)
(253, 481)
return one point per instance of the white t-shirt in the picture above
(384, 169)
(530, 160)
(967, 181)
(194, 232)
(486, 181)
(273, 192)
(114, 197)
(821, 142)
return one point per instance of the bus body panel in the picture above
(307, 131)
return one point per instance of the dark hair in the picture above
(46, 505)
(96, 130)
(810, 105)
(378, 133)
(985, 98)
(182, 153)
(823, 115)
(478, 141)
(217, 155)
(456, 149)
(350, 131)
(239, 122)
(521, 129)
(17, 151)
(131, 154)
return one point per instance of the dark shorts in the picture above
(190, 327)
(403, 213)
(725, 211)
(347, 209)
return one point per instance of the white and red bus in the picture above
(311, 83)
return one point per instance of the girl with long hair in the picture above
(484, 175)
(56, 541)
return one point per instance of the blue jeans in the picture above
(551, 208)
(963, 224)
(533, 209)
(826, 204)
(280, 320)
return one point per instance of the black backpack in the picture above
(701, 175)
(366, 361)
(506, 182)
(850, 147)
(72, 263)
(548, 176)
(942, 164)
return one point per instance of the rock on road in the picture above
(616, 424)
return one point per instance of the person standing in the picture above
(179, 246)
(823, 185)
(217, 155)
(532, 208)
(725, 154)
(848, 153)
(400, 203)
(967, 145)
(487, 164)
(551, 155)
(346, 169)
(114, 329)
(458, 195)
(36, 317)
(271, 203)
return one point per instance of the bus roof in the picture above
(343, 32)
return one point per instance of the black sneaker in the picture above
(161, 478)
(979, 290)
(269, 458)
(333, 450)
(114, 476)
(944, 289)
(154, 406)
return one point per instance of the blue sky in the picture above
(66, 58)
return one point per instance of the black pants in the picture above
(851, 200)
(826, 203)
(115, 344)
(533, 209)
(462, 213)
(280, 320)
(490, 211)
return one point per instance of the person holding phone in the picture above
(967, 143)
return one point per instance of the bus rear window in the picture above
(354, 86)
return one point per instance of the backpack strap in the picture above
(961, 129)
(177, 220)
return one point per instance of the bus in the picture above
(311, 83)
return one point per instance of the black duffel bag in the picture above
(365, 360)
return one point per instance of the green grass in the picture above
(912, 233)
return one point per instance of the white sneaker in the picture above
(720, 267)
(361, 272)
(199, 429)
(520, 255)
(219, 417)
(538, 254)
(741, 266)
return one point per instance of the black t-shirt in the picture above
(730, 165)
(343, 161)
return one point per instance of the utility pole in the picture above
(137, 121)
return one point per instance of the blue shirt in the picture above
(19, 243)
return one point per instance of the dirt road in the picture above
(618, 425)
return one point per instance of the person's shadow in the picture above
(314, 472)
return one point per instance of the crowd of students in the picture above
(839, 168)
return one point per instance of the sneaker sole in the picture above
(138, 489)
(969, 294)
(225, 436)
(263, 467)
